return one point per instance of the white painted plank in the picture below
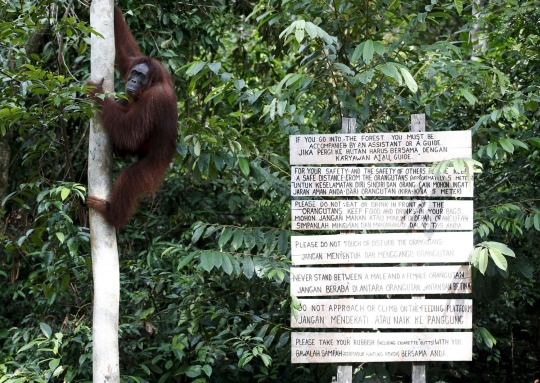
(322, 281)
(378, 181)
(381, 215)
(345, 347)
(366, 148)
(424, 247)
(383, 313)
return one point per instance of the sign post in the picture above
(418, 124)
(416, 231)
(344, 372)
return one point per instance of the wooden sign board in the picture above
(321, 281)
(347, 347)
(382, 215)
(369, 148)
(383, 313)
(425, 247)
(378, 181)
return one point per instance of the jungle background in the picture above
(204, 264)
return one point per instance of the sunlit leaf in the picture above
(248, 267)
(409, 80)
(501, 247)
(244, 165)
(367, 53)
(483, 260)
(498, 258)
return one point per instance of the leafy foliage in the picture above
(204, 264)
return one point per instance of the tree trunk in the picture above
(105, 265)
(479, 43)
(5, 156)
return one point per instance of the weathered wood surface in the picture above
(323, 281)
(381, 215)
(345, 347)
(383, 313)
(378, 181)
(425, 247)
(369, 148)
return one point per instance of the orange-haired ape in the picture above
(144, 126)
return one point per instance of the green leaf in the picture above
(506, 145)
(501, 247)
(267, 360)
(459, 6)
(489, 340)
(367, 53)
(238, 238)
(224, 237)
(244, 166)
(495, 115)
(491, 149)
(535, 141)
(536, 221)
(145, 313)
(195, 68)
(379, 48)
(483, 260)
(186, 260)
(409, 80)
(255, 96)
(60, 237)
(227, 264)
(358, 52)
(498, 258)
(64, 193)
(344, 68)
(58, 371)
(207, 369)
(519, 143)
(27, 346)
(365, 77)
(53, 363)
(248, 267)
(197, 233)
(458, 164)
(300, 26)
(45, 329)
(391, 71)
(207, 260)
(239, 84)
(311, 29)
(218, 259)
(197, 148)
(299, 35)
(193, 371)
(468, 95)
(214, 67)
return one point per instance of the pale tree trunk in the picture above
(477, 40)
(105, 265)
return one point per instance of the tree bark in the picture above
(5, 155)
(105, 265)
(479, 43)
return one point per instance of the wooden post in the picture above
(344, 373)
(418, 124)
